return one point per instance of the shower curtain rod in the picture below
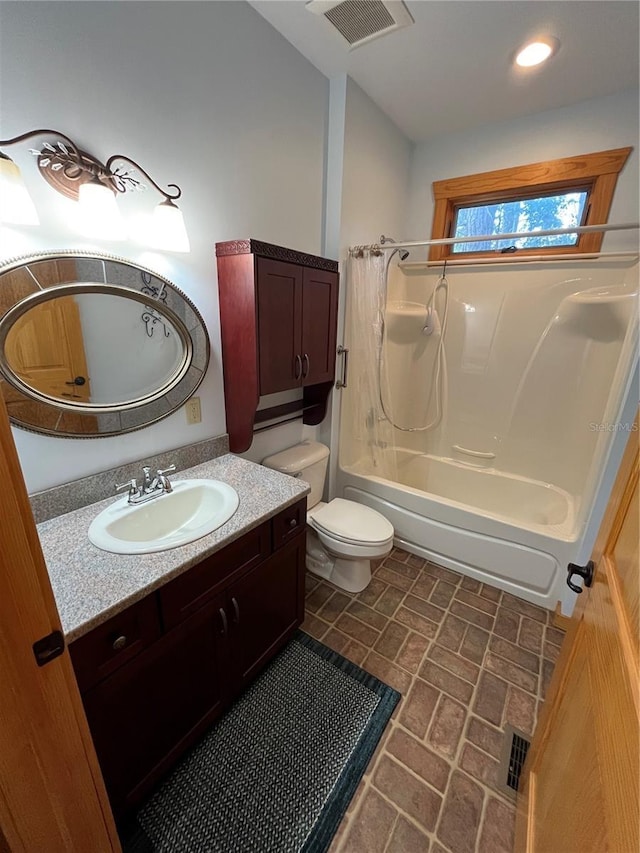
(484, 238)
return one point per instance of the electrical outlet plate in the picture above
(194, 414)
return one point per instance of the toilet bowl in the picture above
(342, 536)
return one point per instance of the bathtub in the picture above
(509, 531)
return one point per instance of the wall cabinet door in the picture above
(279, 326)
(319, 313)
(297, 310)
(266, 606)
(151, 709)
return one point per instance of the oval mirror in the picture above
(92, 345)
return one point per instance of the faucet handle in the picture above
(168, 470)
(132, 485)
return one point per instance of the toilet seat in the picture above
(351, 523)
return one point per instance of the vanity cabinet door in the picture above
(266, 605)
(144, 716)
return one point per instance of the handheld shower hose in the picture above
(439, 363)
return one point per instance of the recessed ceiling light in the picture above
(536, 52)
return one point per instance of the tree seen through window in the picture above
(539, 213)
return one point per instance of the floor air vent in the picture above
(361, 21)
(516, 746)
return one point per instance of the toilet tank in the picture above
(307, 460)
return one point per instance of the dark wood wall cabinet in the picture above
(278, 318)
(154, 677)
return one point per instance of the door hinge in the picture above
(48, 647)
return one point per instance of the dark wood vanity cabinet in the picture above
(278, 317)
(145, 715)
(156, 676)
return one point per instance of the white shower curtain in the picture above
(366, 435)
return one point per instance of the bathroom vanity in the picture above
(163, 643)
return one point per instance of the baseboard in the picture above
(560, 621)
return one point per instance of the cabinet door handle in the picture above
(305, 369)
(119, 643)
(298, 368)
(236, 611)
(225, 626)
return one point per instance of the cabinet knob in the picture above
(293, 522)
(119, 643)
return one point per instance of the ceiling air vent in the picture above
(361, 21)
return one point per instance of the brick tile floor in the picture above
(468, 660)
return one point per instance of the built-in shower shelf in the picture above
(416, 267)
(405, 320)
(407, 309)
(602, 297)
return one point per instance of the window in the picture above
(538, 197)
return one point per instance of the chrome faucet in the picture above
(150, 488)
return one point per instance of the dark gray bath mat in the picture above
(277, 772)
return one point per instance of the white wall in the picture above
(373, 174)
(368, 167)
(593, 125)
(206, 95)
(376, 173)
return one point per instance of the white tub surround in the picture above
(489, 460)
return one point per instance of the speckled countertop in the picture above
(91, 585)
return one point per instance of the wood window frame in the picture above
(597, 173)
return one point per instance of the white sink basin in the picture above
(193, 509)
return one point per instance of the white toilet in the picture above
(344, 536)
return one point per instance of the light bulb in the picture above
(536, 52)
(16, 206)
(100, 215)
(169, 232)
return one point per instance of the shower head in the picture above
(404, 254)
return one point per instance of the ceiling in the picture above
(452, 70)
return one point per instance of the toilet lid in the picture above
(353, 522)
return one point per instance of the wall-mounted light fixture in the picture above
(94, 185)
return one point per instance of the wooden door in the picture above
(580, 782)
(45, 347)
(265, 607)
(319, 322)
(279, 286)
(52, 796)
